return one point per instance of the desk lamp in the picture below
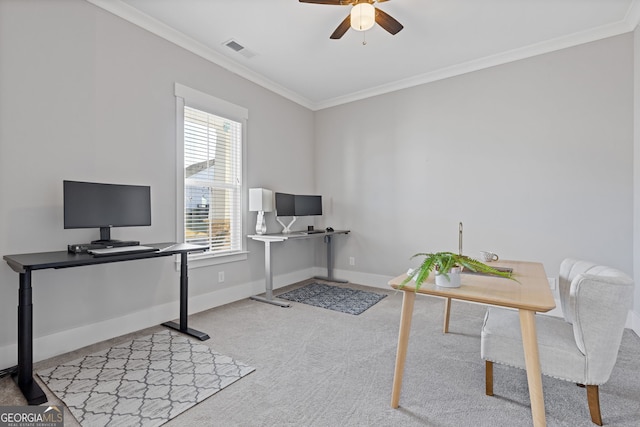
(261, 201)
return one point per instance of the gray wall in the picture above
(535, 157)
(88, 96)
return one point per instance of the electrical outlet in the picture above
(352, 260)
(552, 283)
(220, 276)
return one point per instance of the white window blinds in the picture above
(212, 181)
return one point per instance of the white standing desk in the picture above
(267, 239)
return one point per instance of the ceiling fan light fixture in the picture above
(363, 16)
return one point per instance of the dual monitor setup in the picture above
(295, 205)
(262, 200)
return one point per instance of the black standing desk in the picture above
(24, 264)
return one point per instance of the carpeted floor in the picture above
(323, 368)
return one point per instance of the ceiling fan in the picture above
(362, 17)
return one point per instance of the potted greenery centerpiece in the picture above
(447, 267)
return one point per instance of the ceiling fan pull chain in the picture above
(364, 38)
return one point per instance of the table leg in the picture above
(447, 312)
(24, 376)
(532, 363)
(268, 280)
(329, 277)
(408, 300)
(184, 301)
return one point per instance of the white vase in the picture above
(453, 281)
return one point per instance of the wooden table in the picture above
(529, 296)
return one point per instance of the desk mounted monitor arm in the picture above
(286, 228)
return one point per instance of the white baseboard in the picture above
(238, 292)
(368, 279)
(61, 342)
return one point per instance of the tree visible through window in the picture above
(212, 181)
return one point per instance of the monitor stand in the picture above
(105, 239)
(286, 228)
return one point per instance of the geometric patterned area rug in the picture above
(144, 382)
(337, 298)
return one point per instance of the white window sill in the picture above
(207, 260)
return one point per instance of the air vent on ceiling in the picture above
(237, 47)
(234, 45)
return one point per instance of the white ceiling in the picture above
(441, 38)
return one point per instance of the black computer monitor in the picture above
(285, 204)
(97, 205)
(307, 205)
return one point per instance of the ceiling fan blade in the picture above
(332, 2)
(342, 28)
(387, 22)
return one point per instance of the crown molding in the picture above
(627, 25)
(164, 31)
(128, 13)
(633, 15)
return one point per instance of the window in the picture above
(210, 173)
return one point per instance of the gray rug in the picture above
(337, 298)
(144, 382)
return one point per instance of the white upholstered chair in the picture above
(582, 347)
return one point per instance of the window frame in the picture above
(186, 96)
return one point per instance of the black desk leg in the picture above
(184, 301)
(24, 377)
